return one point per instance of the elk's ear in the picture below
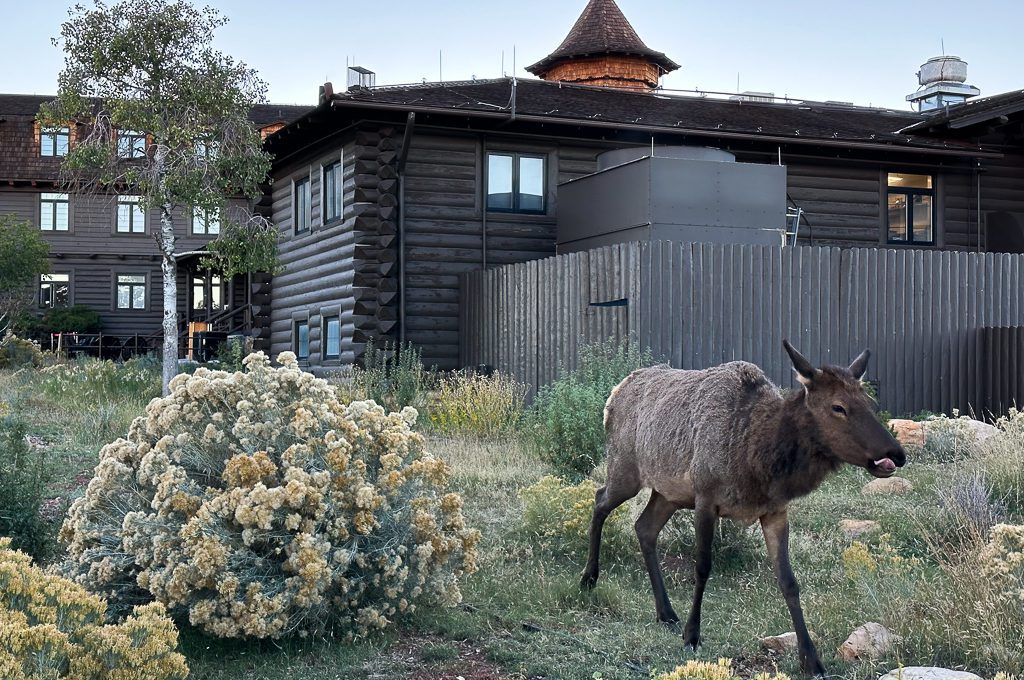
(860, 364)
(805, 372)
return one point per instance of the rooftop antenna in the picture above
(942, 43)
(503, 74)
(513, 60)
(440, 66)
(737, 82)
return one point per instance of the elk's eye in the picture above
(836, 408)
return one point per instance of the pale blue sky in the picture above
(865, 51)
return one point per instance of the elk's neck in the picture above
(800, 459)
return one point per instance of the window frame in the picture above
(297, 183)
(909, 193)
(125, 199)
(131, 288)
(204, 217)
(326, 219)
(517, 156)
(325, 319)
(53, 134)
(297, 324)
(133, 151)
(55, 201)
(52, 304)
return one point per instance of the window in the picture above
(515, 183)
(332, 337)
(130, 217)
(301, 340)
(910, 204)
(131, 144)
(54, 141)
(54, 290)
(131, 291)
(201, 294)
(301, 203)
(53, 212)
(205, 222)
(332, 199)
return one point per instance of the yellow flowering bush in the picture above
(53, 628)
(477, 405)
(260, 505)
(557, 515)
(705, 670)
(1002, 561)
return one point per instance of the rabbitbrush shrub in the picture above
(260, 505)
(52, 628)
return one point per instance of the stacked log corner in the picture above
(260, 289)
(376, 236)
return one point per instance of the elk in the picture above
(725, 442)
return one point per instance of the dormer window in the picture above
(54, 141)
(131, 144)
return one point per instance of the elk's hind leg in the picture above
(606, 500)
(648, 526)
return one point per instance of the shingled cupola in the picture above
(603, 49)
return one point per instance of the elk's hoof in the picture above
(588, 582)
(691, 640)
(815, 669)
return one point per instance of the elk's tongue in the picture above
(885, 465)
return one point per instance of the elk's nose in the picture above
(897, 455)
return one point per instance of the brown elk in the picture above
(725, 442)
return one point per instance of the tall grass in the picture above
(474, 405)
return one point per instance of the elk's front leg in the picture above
(776, 538)
(704, 520)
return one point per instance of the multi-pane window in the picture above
(53, 212)
(131, 218)
(131, 291)
(207, 290)
(54, 141)
(911, 201)
(54, 290)
(301, 340)
(515, 183)
(131, 144)
(333, 207)
(332, 337)
(205, 222)
(302, 205)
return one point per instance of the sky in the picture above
(862, 51)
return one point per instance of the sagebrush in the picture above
(52, 628)
(565, 426)
(259, 505)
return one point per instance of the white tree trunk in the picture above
(169, 268)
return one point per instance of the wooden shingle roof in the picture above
(602, 29)
(550, 102)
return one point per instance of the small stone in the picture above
(869, 641)
(889, 486)
(852, 528)
(908, 432)
(927, 673)
(779, 643)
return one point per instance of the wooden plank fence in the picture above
(929, 317)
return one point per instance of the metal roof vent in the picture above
(941, 81)
(360, 78)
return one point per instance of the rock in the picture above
(908, 432)
(779, 643)
(981, 431)
(869, 641)
(889, 486)
(927, 673)
(852, 528)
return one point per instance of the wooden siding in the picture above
(94, 252)
(695, 305)
(448, 232)
(317, 276)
